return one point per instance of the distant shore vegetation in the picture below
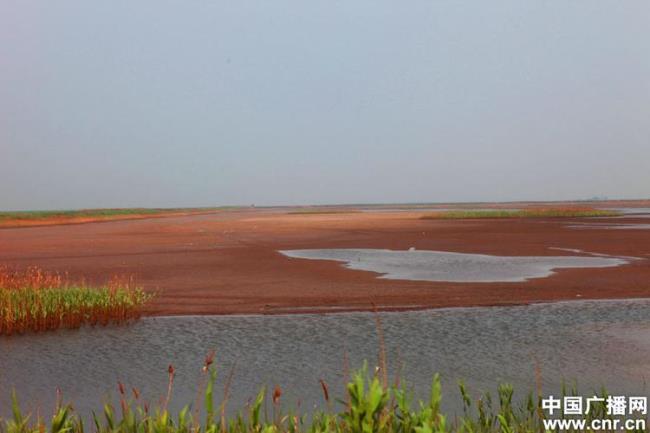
(522, 213)
(46, 217)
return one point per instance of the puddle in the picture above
(452, 267)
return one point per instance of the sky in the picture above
(158, 103)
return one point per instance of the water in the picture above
(453, 267)
(597, 343)
(621, 226)
(632, 210)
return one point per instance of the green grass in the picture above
(368, 406)
(522, 213)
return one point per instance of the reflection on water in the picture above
(453, 267)
(594, 342)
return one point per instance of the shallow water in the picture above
(632, 210)
(617, 226)
(597, 343)
(452, 267)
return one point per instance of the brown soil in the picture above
(228, 262)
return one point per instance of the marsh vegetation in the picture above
(370, 405)
(36, 300)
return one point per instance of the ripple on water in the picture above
(597, 343)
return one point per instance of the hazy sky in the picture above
(188, 103)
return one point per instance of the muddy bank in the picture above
(228, 262)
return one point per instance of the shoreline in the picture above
(324, 310)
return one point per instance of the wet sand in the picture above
(227, 262)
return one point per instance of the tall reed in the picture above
(36, 300)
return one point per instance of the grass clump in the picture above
(523, 213)
(368, 406)
(35, 300)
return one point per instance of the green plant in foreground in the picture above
(369, 407)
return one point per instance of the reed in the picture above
(523, 213)
(36, 300)
(368, 407)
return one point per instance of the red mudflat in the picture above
(228, 262)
